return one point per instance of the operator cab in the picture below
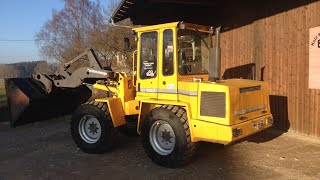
(169, 53)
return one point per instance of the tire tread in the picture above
(190, 150)
(104, 146)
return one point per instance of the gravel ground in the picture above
(45, 150)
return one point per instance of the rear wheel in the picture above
(92, 128)
(166, 136)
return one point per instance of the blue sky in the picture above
(20, 20)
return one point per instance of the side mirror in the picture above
(126, 44)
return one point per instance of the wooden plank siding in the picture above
(275, 49)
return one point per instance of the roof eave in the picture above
(121, 12)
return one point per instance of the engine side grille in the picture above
(213, 104)
(248, 89)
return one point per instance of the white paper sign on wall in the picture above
(314, 58)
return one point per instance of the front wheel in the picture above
(92, 128)
(166, 136)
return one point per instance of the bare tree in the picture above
(8, 71)
(2, 67)
(67, 33)
(42, 67)
(82, 24)
(113, 38)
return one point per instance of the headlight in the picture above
(261, 124)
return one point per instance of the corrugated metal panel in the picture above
(277, 48)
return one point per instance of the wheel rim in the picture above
(162, 137)
(89, 129)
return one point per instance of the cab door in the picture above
(148, 57)
(167, 88)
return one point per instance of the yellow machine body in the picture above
(222, 111)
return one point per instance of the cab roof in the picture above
(179, 24)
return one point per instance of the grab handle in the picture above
(133, 70)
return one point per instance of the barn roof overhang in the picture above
(148, 12)
(229, 14)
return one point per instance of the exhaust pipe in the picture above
(215, 58)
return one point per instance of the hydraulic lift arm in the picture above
(43, 96)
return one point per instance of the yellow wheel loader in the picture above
(175, 96)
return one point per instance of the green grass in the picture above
(3, 97)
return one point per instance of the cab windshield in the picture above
(193, 49)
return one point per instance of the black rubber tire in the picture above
(184, 149)
(130, 128)
(109, 134)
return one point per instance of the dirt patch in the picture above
(45, 150)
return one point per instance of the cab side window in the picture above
(167, 62)
(149, 55)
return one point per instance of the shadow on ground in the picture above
(265, 136)
(4, 114)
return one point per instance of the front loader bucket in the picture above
(28, 102)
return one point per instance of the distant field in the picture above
(3, 97)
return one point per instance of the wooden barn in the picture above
(261, 40)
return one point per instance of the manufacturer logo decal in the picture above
(250, 109)
(97, 72)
